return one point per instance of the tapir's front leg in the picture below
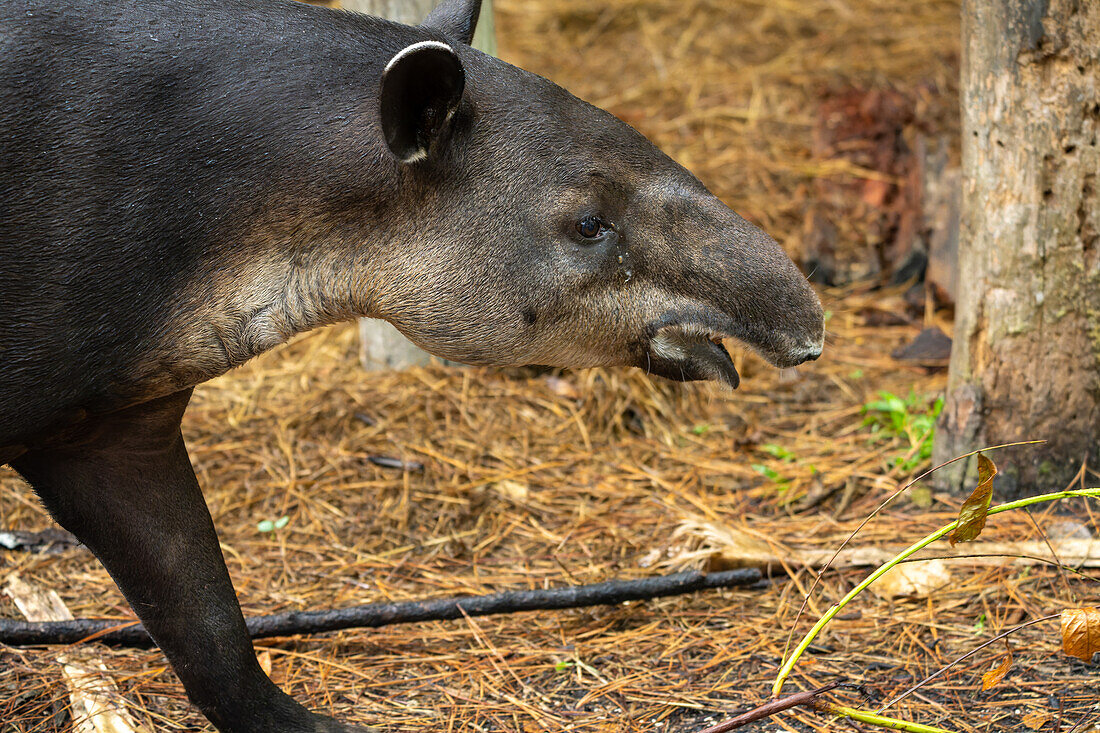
(124, 486)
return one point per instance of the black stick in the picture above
(22, 633)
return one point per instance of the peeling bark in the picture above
(1026, 360)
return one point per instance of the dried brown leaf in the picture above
(723, 547)
(563, 388)
(1036, 719)
(994, 676)
(976, 507)
(1081, 632)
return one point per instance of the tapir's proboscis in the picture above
(184, 185)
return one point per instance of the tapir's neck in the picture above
(252, 302)
(281, 296)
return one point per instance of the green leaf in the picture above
(266, 526)
(768, 472)
(897, 421)
(762, 469)
(896, 403)
(973, 513)
(778, 451)
(876, 407)
(701, 429)
(281, 522)
(912, 419)
(562, 666)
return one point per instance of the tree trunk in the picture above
(381, 346)
(1026, 357)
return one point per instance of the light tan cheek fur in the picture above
(603, 328)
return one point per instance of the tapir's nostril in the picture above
(809, 353)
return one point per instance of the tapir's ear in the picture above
(421, 88)
(457, 19)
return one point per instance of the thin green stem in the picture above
(788, 665)
(865, 716)
(875, 513)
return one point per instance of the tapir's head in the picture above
(553, 233)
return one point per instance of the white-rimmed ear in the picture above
(421, 88)
(456, 19)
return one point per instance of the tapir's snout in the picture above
(737, 282)
(803, 354)
(794, 332)
(777, 310)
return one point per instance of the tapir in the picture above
(184, 185)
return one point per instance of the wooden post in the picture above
(409, 12)
(1026, 358)
(381, 345)
(412, 12)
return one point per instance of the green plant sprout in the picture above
(789, 663)
(778, 451)
(268, 525)
(911, 420)
(865, 716)
(783, 454)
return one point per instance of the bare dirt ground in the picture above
(526, 480)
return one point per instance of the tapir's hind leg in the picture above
(124, 486)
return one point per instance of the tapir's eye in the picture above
(591, 227)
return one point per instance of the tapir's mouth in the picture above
(686, 353)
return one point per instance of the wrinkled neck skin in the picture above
(292, 273)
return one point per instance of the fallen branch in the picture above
(806, 698)
(96, 704)
(18, 633)
(812, 699)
